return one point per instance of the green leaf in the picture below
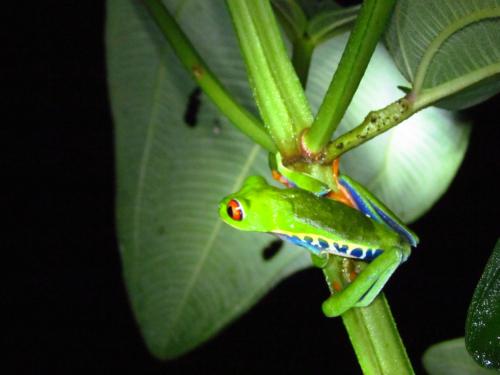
(408, 167)
(447, 47)
(482, 330)
(329, 23)
(313, 8)
(188, 275)
(451, 358)
(291, 16)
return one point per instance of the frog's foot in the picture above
(366, 286)
(282, 179)
(342, 194)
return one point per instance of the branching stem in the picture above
(375, 123)
(364, 37)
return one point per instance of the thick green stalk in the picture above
(301, 58)
(375, 123)
(372, 330)
(208, 82)
(295, 22)
(375, 339)
(277, 90)
(369, 25)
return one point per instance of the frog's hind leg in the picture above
(366, 286)
(377, 286)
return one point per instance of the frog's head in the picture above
(253, 207)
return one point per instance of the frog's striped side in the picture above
(318, 245)
(368, 204)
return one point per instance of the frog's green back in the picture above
(330, 218)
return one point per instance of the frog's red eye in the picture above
(234, 210)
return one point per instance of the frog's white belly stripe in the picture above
(318, 244)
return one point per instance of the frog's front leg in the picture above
(367, 285)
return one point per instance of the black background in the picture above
(67, 305)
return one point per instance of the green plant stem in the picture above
(279, 95)
(208, 82)
(375, 339)
(301, 58)
(372, 330)
(369, 25)
(375, 123)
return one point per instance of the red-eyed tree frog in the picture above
(323, 226)
(352, 223)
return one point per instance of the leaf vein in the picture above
(209, 246)
(144, 160)
(401, 44)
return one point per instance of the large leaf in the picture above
(448, 46)
(410, 166)
(329, 23)
(451, 358)
(187, 273)
(482, 330)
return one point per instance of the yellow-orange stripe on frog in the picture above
(318, 245)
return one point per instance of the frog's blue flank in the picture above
(375, 212)
(320, 245)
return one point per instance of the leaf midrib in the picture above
(209, 246)
(160, 76)
(404, 54)
(448, 88)
(444, 35)
(259, 291)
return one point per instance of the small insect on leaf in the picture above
(192, 108)
(271, 250)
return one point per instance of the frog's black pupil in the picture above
(230, 211)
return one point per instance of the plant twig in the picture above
(208, 82)
(375, 123)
